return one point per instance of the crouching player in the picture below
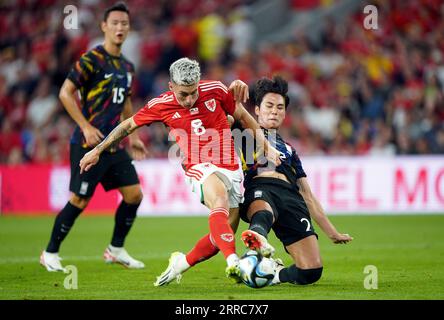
(280, 198)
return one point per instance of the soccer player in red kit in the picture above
(196, 112)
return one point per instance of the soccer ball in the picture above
(256, 271)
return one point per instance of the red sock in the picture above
(203, 250)
(221, 231)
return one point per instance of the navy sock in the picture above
(62, 224)
(261, 222)
(295, 275)
(125, 216)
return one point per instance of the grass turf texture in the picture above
(408, 252)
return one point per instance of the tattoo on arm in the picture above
(115, 136)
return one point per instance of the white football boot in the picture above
(51, 261)
(120, 255)
(177, 264)
(233, 271)
(257, 242)
(279, 265)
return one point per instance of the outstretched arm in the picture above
(124, 129)
(318, 215)
(230, 120)
(67, 95)
(137, 147)
(248, 122)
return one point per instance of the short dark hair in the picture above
(276, 85)
(119, 6)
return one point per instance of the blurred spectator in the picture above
(15, 157)
(403, 143)
(9, 140)
(6, 104)
(17, 114)
(185, 35)
(241, 32)
(353, 92)
(382, 142)
(212, 31)
(43, 105)
(438, 146)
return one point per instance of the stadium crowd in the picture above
(354, 92)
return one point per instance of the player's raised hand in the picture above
(88, 160)
(230, 120)
(341, 238)
(92, 135)
(138, 150)
(273, 155)
(239, 90)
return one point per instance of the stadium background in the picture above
(366, 116)
(354, 92)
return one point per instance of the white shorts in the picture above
(197, 174)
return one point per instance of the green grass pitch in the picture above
(408, 252)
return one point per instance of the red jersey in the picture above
(202, 132)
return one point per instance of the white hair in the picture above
(185, 72)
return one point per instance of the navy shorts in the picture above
(292, 218)
(114, 170)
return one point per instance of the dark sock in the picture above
(261, 222)
(125, 216)
(62, 224)
(295, 275)
(286, 274)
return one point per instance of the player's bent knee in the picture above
(133, 198)
(223, 200)
(304, 276)
(220, 201)
(79, 202)
(264, 216)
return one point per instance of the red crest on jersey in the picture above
(211, 105)
(227, 237)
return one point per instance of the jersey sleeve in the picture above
(227, 101)
(148, 114)
(130, 75)
(82, 71)
(297, 165)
